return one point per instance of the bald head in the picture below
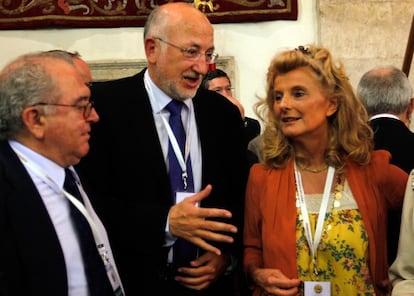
(176, 17)
(83, 69)
(73, 58)
(179, 44)
(386, 89)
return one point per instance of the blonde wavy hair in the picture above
(349, 132)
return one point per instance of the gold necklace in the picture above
(308, 169)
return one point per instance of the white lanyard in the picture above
(314, 243)
(113, 278)
(177, 151)
(45, 177)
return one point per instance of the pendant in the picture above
(317, 289)
(338, 195)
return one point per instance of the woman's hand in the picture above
(274, 282)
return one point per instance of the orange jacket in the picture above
(270, 214)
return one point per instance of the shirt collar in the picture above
(52, 169)
(158, 98)
(384, 115)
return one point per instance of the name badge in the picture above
(180, 196)
(317, 288)
(110, 272)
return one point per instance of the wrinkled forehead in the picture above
(192, 36)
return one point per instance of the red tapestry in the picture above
(32, 14)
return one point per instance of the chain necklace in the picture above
(308, 169)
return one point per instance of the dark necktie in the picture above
(98, 281)
(183, 251)
(176, 124)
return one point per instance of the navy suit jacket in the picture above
(125, 167)
(394, 136)
(31, 259)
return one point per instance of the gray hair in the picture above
(65, 55)
(385, 90)
(156, 22)
(23, 83)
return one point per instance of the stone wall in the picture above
(366, 33)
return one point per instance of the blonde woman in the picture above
(316, 208)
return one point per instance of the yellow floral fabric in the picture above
(342, 255)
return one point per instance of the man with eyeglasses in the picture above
(129, 163)
(45, 122)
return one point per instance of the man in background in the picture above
(217, 80)
(388, 97)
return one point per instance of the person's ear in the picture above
(152, 48)
(34, 121)
(409, 112)
(333, 106)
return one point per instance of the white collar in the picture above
(384, 115)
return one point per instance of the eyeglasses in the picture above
(87, 109)
(193, 53)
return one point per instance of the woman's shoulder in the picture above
(379, 159)
(381, 167)
(258, 169)
(380, 156)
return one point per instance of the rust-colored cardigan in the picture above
(270, 214)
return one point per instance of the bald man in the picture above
(130, 164)
(388, 97)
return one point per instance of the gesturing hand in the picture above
(190, 222)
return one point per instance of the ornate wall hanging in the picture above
(32, 14)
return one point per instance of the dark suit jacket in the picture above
(126, 167)
(31, 259)
(393, 135)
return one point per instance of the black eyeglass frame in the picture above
(87, 109)
(193, 53)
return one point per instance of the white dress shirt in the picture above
(58, 209)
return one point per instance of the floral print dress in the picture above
(343, 254)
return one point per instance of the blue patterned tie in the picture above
(183, 251)
(98, 281)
